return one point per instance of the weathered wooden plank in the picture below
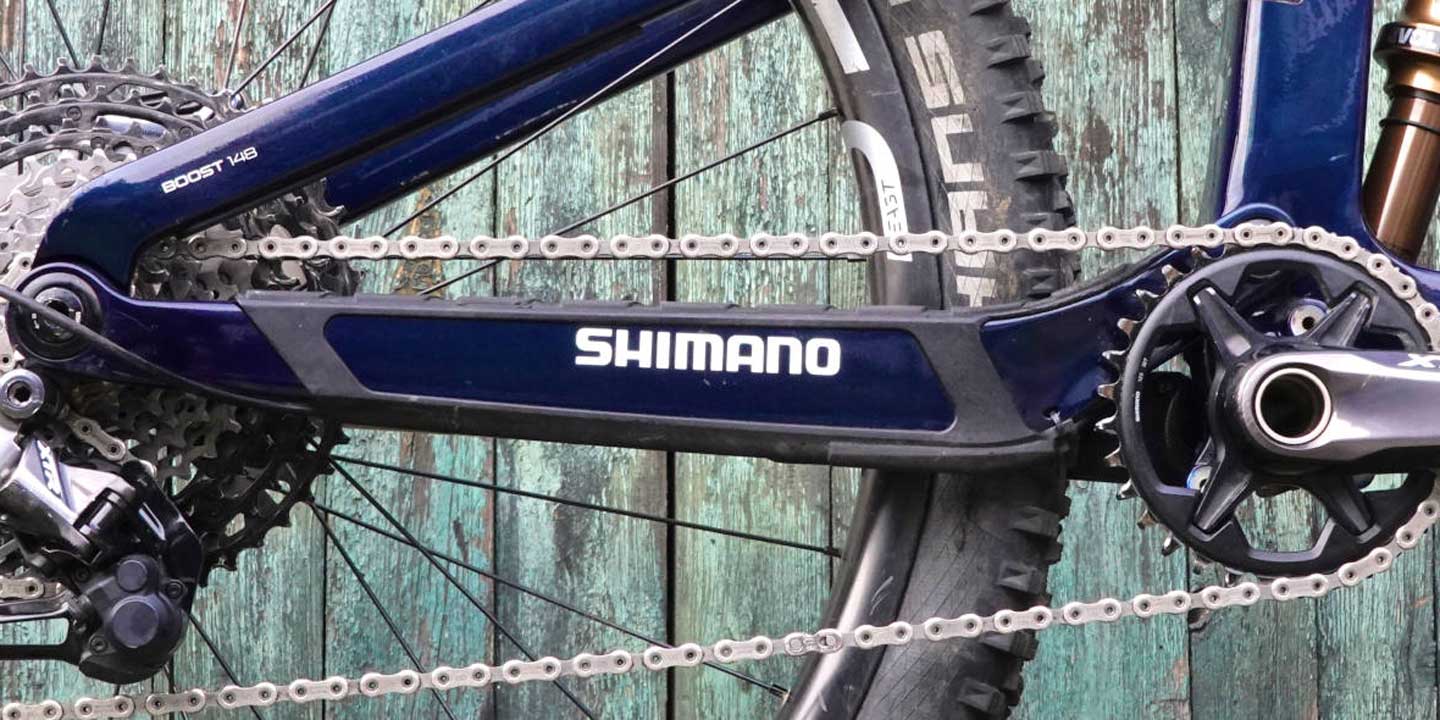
(1111, 85)
(736, 96)
(439, 621)
(202, 37)
(613, 566)
(1262, 660)
(12, 31)
(134, 29)
(1377, 646)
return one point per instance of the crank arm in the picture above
(888, 387)
(1374, 411)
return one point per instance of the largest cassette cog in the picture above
(235, 473)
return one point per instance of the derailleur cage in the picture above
(127, 561)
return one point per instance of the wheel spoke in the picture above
(437, 287)
(411, 472)
(451, 579)
(827, 115)
(275, 54)
(1343, 324)
(104, 23)
(379, 606)
(1229, 333)
(215, 653)
(170, 681)
(1343, 500)
(572, 112)
(543, 597)
(315, 48)
(1228, 486)
(64, 35)
(235, 42)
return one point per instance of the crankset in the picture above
(1277, 371)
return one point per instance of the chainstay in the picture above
(829, 640)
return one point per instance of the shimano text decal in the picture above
(707, 352)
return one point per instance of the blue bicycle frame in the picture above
(890, 387)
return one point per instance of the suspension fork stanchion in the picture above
(1404, 180)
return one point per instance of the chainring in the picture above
(1177, 448)
(234, 472)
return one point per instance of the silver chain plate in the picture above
(828, 640)
(24, 588)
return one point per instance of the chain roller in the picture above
(829, 640)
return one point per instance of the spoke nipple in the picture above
(1126, 491)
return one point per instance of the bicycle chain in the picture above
(829, 640)
(22, 588)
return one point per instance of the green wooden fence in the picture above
(1133, 82)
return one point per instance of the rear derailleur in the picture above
(101, 548)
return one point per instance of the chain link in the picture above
(829, 640)
(24, 588)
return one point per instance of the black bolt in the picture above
(174, 589)
(67, 303)
(98, 644)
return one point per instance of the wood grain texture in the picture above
(440, 622)
(749, 90)
(1134, 84)
(1117, 127)
(616, 566)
